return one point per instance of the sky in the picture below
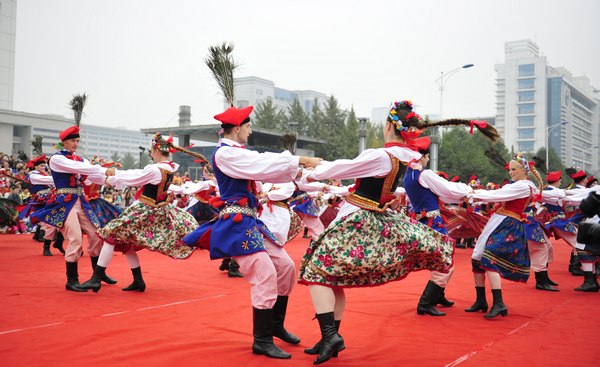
(139, 60)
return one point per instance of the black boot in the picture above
(541, 282)
(105, 278)
(480, 303)
(460, 243)
(225, 264)
(590, 283)
(443, 300)
(234, 271)
(58, 242)
(263, 335)
(575, 265)
(73, 278)
(36, 235)
(316, 349)
(279, 311)
(47, 248)
(498, 307)
(305, 234)
(429, 299)
(95, 282)
(331, 341)
(138, 282)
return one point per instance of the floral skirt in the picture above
(295, 225)
(369, 249)
(156, 229)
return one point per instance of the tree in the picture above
(553, 159)
(334, 129)
(129, 161)
(315, 121)
(295, 113)
(145, 160)
(351, 139)
(115, 157)
(374, 135)
(464, 155)
(268, 117)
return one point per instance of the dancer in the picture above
(501, 249)
(425, 189)
(40, 187)
(239, 233)
(68, 209)
(152, 222)
(367, 245)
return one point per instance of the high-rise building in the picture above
(8, 26)
(538, 104)
(252, 90)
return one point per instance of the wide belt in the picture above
(235, 209)
(430, 214)
(66, 191)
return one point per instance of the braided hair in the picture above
(166, 146)
(403, 118)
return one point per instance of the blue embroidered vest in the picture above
(421, 198)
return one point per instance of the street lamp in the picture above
(362, 134)
(142, 150)
(548, 130)
(435, 138)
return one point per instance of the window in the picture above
(526, 108)
(526, 96)
(259, 92)
(526, 133)
(526, 83)
(526, 70)
(525, 146)
(526, 120)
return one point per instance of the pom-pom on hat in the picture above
(235, 116)
(69, 133)
(553, 176)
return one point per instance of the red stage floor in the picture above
(193, 315)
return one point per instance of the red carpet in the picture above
(193, 315)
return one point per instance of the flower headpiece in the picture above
(520, 157)
(164, 145)
(393, 114)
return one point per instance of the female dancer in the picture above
(366, 245)
(501, 249)
(151, 222)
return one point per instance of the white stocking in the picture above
(132, 258)
(106, 254)
(323, 298)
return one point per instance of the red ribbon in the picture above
(480, 124)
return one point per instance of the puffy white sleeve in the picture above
(60, 163)
(281, 192)
(509, 192)
(136, 177)
(37, 179)
(448, 192)
(554, 196)
(250, 165)
(371, 162)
